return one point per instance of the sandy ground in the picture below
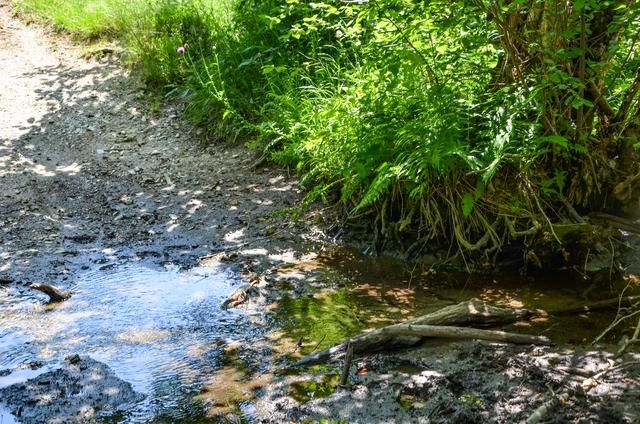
(91, 171)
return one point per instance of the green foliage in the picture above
(86, 18)
(413, 102)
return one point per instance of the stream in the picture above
(158, 329)
(163, 329)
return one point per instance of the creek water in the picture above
(158, 329)
(379, 291)
(164, 331)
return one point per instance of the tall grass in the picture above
(86, 18)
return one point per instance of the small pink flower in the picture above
(180, 50)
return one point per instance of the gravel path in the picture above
(90, 168)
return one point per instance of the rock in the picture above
(73, 359)
(240, 296)
(83, 391)
(271, 230)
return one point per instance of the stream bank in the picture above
(112, 196)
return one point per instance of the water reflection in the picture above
(160, 330)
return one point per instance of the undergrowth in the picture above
(86, 19)
(467, 121)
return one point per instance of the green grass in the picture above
(86, 19)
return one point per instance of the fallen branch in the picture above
(450, 332)
(597, 305)
(543, 410)
(615, 222)
(471, 313)
(55, 294)
(345, 367)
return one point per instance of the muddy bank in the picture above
(82, 390)
(468, 382)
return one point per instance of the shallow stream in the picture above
(158, 329)
(164, 331)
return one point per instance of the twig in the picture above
(575, 215)
(615, 324)
(634, 339)
(544, 409)
(347, 365)
(318, 345)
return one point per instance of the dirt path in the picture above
(89, 167)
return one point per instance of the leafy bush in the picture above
(462, 119)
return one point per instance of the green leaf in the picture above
(467, 204)
(558, 140)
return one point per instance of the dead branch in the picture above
(597, 305)
(616, 222)
(635, 302)
(474, 312)
(450, 332)
(543, 410)
(634, 339)
(55, 294)
(347, 364)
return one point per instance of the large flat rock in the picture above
(82, 391)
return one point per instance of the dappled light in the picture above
(266, 211)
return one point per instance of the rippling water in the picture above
(160, 330)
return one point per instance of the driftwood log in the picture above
(55, 294)
(474, 312)
(450, 332)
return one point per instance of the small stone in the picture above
(73, 359)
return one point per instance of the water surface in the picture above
(159, 329)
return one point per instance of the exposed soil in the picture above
(90, 166)
(94, 170)
(468, 382)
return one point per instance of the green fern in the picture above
(378, 187)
